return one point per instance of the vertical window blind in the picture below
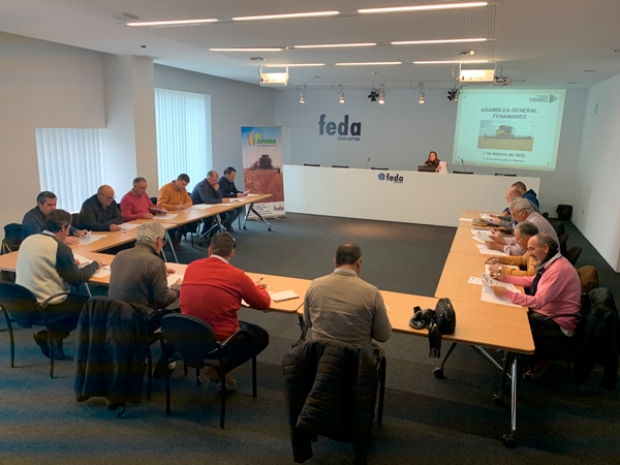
(69, 164)
(183, 135)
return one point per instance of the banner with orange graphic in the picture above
(261, 148)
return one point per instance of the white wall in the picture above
(597, 212)
(233, 104)
(42, 85)
(400, 134)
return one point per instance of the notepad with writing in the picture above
(283, 295)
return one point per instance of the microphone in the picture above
(367, 163)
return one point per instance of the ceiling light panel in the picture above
(283, 16)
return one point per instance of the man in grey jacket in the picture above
(139, 275)
(344, 307)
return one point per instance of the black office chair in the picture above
(153, 323)
(12, 237)
(339, 166)
(381, 169)
(573, 254)
(154, 200)
(196, 342)
(563, 238)
(311, 164)
(19, 305)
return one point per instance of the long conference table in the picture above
(478, 323)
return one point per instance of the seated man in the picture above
(34, 220)
(212, 291)
(46, 267)
(173, 196)
(526, 265)
(100, 212)
(229, 190)
(554, 300)
(527, 194)
(136, 203)
(505, 220)
(139, 275)
(207, 191)
(344, 307)
(521, 210)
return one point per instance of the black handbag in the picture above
(440, 321)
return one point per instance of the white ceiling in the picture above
(538, 43)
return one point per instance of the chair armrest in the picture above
(46, 302)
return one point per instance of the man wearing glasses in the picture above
(101, 212)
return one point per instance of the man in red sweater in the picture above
(212, 291)
(136, 203)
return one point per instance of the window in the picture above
(183, 135)
(69, 164)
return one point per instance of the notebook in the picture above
(283, 295)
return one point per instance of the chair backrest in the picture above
(154, 200)
(19, 302)
(311, 164)
(191, 336)
(339, 166)
(573, 253)
(588, 277)
(563, 238)
(12, 237)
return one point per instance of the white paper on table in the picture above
(486, 251)
(476, 238)
(486, 231)
(486, 216)
(465, 219)
(493, 299)
(202, 206)
(127, 226)
(283, 295)
(102, 272)
(90, 238)
(83, 261)
(173, 278)
(167, 216)
(234, 200)
(475, 280)
(251, 195)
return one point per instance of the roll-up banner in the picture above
(262, 167)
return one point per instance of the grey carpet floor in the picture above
(427, 420)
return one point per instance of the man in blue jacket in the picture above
(229, 190)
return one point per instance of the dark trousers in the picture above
(231, 216)
(544, 330)
(63, 317)
(242, 349)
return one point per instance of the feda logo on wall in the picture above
(388, 177)
(345, 131)
(258, 140)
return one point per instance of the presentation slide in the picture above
(505, 128)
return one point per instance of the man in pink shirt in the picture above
(136, 203)
(554, 296)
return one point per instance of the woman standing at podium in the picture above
(432, 160)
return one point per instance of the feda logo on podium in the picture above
(345, 131)
(388, 177)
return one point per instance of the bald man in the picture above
(100, 212)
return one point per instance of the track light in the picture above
(340, 91)
(381, 99)
(302, 93)
(422, 95)
(373, 95)
(453, 95)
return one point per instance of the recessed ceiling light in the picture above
(441, 41)
(371, 63)
(362, 44)
(448, 62)
(267, 49)
(444, 6)
(312, 14)
(295, 65)
(180, 22)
